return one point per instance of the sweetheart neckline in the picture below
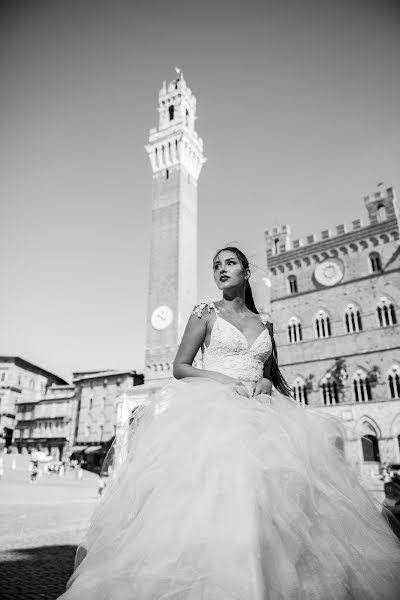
(248, 347)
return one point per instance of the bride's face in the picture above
(228, 270)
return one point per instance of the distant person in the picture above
(228, 493)
(34, 471)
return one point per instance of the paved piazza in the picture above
(40, 527)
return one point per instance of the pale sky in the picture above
(298, 108)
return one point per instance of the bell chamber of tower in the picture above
(176, 157)
(175, 143)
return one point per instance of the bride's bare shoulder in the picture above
(204, 307)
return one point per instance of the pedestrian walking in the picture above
(34, 471)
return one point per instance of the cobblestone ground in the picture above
(40, 527)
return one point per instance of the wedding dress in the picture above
(229, 497)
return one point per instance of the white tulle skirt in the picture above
(226, 497)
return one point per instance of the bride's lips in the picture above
(224, 278)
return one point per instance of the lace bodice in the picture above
(229, 352)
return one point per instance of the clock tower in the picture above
(176, 156)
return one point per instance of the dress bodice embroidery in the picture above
(229, 352)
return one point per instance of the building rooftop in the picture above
(79, 376)
(25, 364)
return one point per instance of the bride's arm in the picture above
(264, 385)
(192, 340)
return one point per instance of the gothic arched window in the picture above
(361, 386)
(300, 391)
(386, 313)
(370, 448)
(329, 390)
(352, 318)
(295, 332)
(276, 246)
(394, 382)
(292, 283)
(375, 262)
(171, 110)
(322, 325)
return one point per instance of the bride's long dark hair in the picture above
(277, 378)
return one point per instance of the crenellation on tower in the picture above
(311, 239)
(381, 206)
(297, 244)
(357, 224)
(278, 240)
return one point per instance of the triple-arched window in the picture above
(386, 312)
(361, 386)
(394, 382)
(329, 390)
(352, 319)
(323, 325)
(375, 262)
(300, 391)
(295, 333)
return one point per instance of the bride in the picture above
(229, 493)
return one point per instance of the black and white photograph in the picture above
(200, 300)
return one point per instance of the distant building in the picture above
(95, 421)
(335, 307)
(21, 382)
(47, 424)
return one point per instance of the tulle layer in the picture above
(227, 497)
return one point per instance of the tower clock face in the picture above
(329, 272)
(162, 317)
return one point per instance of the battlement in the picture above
(381, 207)
(278, 239)
(381, 196)
(176, 86)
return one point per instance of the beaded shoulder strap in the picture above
(199, 308)
(265, 320)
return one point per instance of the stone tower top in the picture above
(177, 104)
(278, 240)
(175, 143)
(381, 206)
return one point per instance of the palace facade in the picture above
(335, 308)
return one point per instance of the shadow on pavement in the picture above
(35, 573)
